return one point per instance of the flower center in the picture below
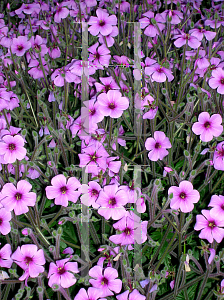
(222, 81)
(104, 281)
(12, 146)
(93, 157)
(182, 195)
(222, 206)
(63, 190)
(127, 231)
(112, 201)
(157, 145)
(94, 192)
(102, 23)
(20, 47)
(1, 221)
(27, 260)
(92, 111)
(18, 196)
(97, 55)
(107, 88)
(61, 270)
(112, 106)
(207, 125)
(211, 224)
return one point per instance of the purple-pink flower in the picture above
(62, 190)
(102, 23)
(18, 198)
(207, 126)
(217, 80)
(20, 45)
(62, 273)
(217, 204)
(105, 280)
(210, 227)
(112, 103)
(112, 201)
(159, 73)
(91, 294)
(183, 196)
(186, 39)
(5, 218)
(12, 148)
(134, 295)
(30, 259)
(157, 146)
(218, 158)
(5, 256)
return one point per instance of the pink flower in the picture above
(28, 8)
(18, 198)
(105, 280)
(12, 148)
(100, 57)
(108, 84)
(63, 192)
(132, 230)
(186, 38)
(210, 227)
(199, 33)
(134, 295)
(62, 273)
(91, 294)
(217, 80)
(61, 13)
(157, 146)
(183, 196)
(20, 45)
(94, 156)
(159, 73)
(149, 103)
(151, 29)
(174, 15)
(102, 23)
(212, 255)
(112, 104)
(217, 202)
(207, 127)
(5, 256)
(30, 260)
(90, 194)
(112, 201)
(5, 217)
(218, 158)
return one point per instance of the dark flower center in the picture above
(1, 221)
(18, 196)
(207, 125)
(12, 146)
(97, 55)
(63, 190)
(222, 206)
(127, 231)
(27, 260)
(37, 47)
(94, 192)
(93, 157)
(222, 81)
(157, 145)
(112, 106)
(102, 23)
(112, 201)
(61, 271)
(182, 195)
(104, 281)
(92, 112)
(107, 88)
(211, 224)
(20, 47)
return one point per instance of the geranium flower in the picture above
(5, 256)
(102, 23)
(217, 202)
(28, 8)
(217, 80)
(186, 39)
(91, 294)
(112, 201)
(210, 227)
(18, 198)
(30, 259)
(108, 84)
(61, 13)
(218, 158)
(63, 192)
(134, 295)
(100, 57)
(12, 147)
(199, 33)
(159, 73)
(151, 29)
(112, 104)
(183, 196)
(5, 217)
(105, 280)
(20, 45)
(62, 273)
(90, 194)
(207, 126)
(157, 146)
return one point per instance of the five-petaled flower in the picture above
(157, 146)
